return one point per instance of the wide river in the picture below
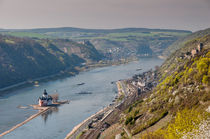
(59, 122)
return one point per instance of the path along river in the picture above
(59, 122)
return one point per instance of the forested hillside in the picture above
(23, 59)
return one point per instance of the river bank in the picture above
(103, 113)
(129, 90)
(64, 74)
(123, 96)
(99, 81)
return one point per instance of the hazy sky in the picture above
(177, 14)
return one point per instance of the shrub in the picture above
(130, 109)
(202, 65)
(136, 112)
(150, 123)
(185, 121)
(206, 80)
(128, 120)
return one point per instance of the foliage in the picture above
(19, 57)
(150, 122)
(206, 79)
(128, 120)
(183, 86)
(80, 134)
(186, 121)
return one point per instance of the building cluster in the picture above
(193, 52)
(143, 82)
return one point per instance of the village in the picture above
(142, 83)
(128, 91)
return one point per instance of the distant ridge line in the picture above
(74, 29)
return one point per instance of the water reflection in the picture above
(49, 112)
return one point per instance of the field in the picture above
(27, 34)
(119, 36)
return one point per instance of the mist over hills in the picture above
(49, 51)
(73, 29)
(114, 43)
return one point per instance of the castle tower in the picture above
(200, 47)
(194, 52)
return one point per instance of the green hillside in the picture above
(181, 95)
(178, 106)
(24, 59)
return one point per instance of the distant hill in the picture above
(113, 43)
(23, 59)
(52, 50)
(72, 29)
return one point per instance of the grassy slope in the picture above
(182, 93)
(27, 34)
(125, 36)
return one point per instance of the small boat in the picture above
(138, 69)
(112, 82)
(80, 83)
(84, 93)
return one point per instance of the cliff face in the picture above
(177, 107)
(84, 50)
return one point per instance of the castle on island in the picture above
(45, 99)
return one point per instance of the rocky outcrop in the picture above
(84, 50)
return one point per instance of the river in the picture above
(60, 121)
